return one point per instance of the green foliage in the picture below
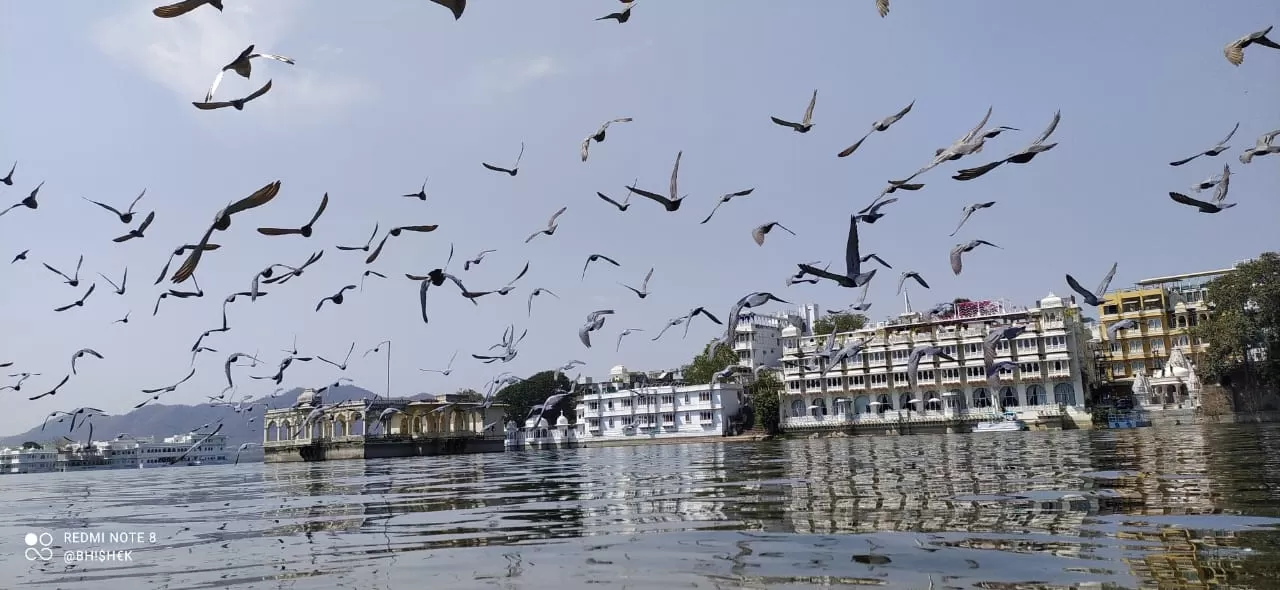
(708, 363)
(1245, 314)
(521, 396)
(843, 322)
(469, 395)
(764, 394)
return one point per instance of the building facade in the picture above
(1166, 310)
(758, 337)
(122, 452)
(1052, 377)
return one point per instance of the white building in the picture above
(1051, 356)
(123, 452)
(758, 337)
(27, 460)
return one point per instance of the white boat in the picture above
(1010, 423)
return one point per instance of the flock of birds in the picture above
(854, 275)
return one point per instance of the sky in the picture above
(98, 105)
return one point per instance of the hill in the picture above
(161, 420)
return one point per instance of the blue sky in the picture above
(98, 106)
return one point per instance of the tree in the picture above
(466, 394)
(523, 395)
(764, 401)
(842, 322)
(1244, 316)
(712, 360)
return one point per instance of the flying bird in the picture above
(1261, 148)
(368, 273)
(969, 143)
(512, 170)
(79, 302)
(595, 257)
(1217, 148)
(21, 256)
(1203, 206)
(179, 252)
(1113, 329)
(124, 279)
(960, 249)
(551, 225)
(1022, 156)
(673, 202)
(623, 334)
(447, 368)
(241, 449)
(643, 291)
(599, 135)
(725, 199)
(621, 16)
(53, 391)
(853, 276)
(883, 7)
(127, 216)
(336, 298)
(421, 195)
(222, 222)
(805, 124)
(394, 232)
(1235, 49)
(242, 65)
(595, 321)
(761, 231)
(304, 231)
(918, 353)
(1094, 297)
(911, 275)
(871, 213)
(183, 7)
(29, 202)
(8, 179)
(123, 320)
(81, 353)
(137, 232)
(970, 210)
(536, 292)
(74, 281)
(475, 261)
(621, 206)
(454, 6)
(881, 125)
(696, 312)
(238, 103)
(748, 301)
(343, 365)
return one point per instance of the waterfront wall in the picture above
(379, 448)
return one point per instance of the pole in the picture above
(388, 389)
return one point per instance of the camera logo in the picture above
(39, 547)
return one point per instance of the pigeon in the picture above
(80, 354)
(1217, 148)
(475, 261)
(305, 230)
(960, 249)
(454, 6)
(1235, 49)
(1094, 297)
(595, 257)
(599, 135)
(8, 179)
(970, 210)
(127, 216)
(911, 275)
(1120, 325)
(183, 7)
(761, 231)
(853, 276)
(913, 361)
(1262, 147)
(624, 333)
(512, 171)
(643, 291)
(137, 233)
(806, 123)
(29, 202)
(882, 124)
(238, 103)
(536, 292)
(725, 199)
(243, 66)
(621, 16)
(672, 203)
(551, 225)
(1201, 205)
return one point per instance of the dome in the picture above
(562, 421)
(791, 331)
(618, 370)
(1051, 300)
(308, 397)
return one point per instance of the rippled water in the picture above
(1185, 507)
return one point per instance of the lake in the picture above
(1189, 506)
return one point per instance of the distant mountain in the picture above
(161, 420)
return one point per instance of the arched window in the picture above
(861, 404)
(956, 400)
(1008, 397)
(981, 399)
(1036, 395)
(820, 406)
(1064, 394)
(904, 402)
(931, 401)
(798, 409)
(886, 403)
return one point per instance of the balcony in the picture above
(1052, 325)
(973, 333)
(899, 339)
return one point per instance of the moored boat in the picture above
(1010, 423)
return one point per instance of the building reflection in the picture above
(638, 488)
(1160, 471)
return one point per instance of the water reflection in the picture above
(1188, 507)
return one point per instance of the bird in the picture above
(421, 195)
(883, 7)
(8, 179)
(877, 258)
(994, 369)
(127, 216)
(394, 232)
(1223, 185)
(970, 143)
(1201, 205)
(510, 171)
(304, 231)
(595, 321)
(623, 334)
(1261, 148)
(53, 391)
(970, 210)
(761, 231)
(29, 202)
(179, 252)
(694, 313)
(79, 302)
(1021, 156)
(623, 206)
(341, 366)
(960, 249)
(1217, 148)
(222, 222)
(81, 353)
(367, 244)
(242, 65)
(336, 298)
(853, 276)
(454, 6)
(74, 281)
(871, 213)
(119, 288)
(1120, 325)
(748, 301)
(913, 361)
(231, 359)
(536, 292)
(238, 103)
(21, 256)
(621, 16)
(725, 199)
(123, 320)
(1234, 51)
(599, 135)
(881, 125)
(551, 225)
(911, 275)
(673, 202)
(595, 257)
(241, 449)
(994, 336)
(137, 233)
(1094, 297)
(183, 7)
(368, 273)
(474, 261)
(805, 124)
(447, 368)
(643, 291)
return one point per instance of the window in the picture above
(856, 380)
(610, 404)
(1055, 342)
(610, 422)
(793, 385)
(949, 350)
(978, 372)
(668, 418)
(1182, 340)
(626, 403)
(1117, 369)
(706, 417)
(704, 396)
(924, 376)
(899, 355)
(688, 417)
(686, 398)
(1156, 344)
(811, 383)
(1110, 309)
(1026, 345)
(593, 405)
(973, 348)
(1115, 346)
(879, 380)
(833, 382)
(1154, 324)
(900, 378)
(1135, 346)
(669, 399)
(951, 374)
(594, 423)
(981, 399)
(1029, 369)
(1059, 366)
(1138, 368)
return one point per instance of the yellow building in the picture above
(1166, 309)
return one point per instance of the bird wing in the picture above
(1224, 184)
(278, 231)
(883, 7)
(913, 362)
(808, 112)
(853, 262)
(259, 197)
(956, 262)
(1185, 200)
(713, 211)
(611, 201)
(584, 334)
(272, 56)
(1229, 136)
(556, 215)
(675, 171)
(758, 233)
(46, 265)
(973, 133)
(654, 196)
(103, 205)
(1078, 288)
(1185, 160)
(147, 222)
(324, 202)
(967, 212)
(259, 92)
(177, 8)
(1106, 280)
(209, 106)
(849, 150)
(454, 6)
(214, 87)
(494, 168)
(586, 144)
(609, 260)
(972, 173)
(522, 272)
